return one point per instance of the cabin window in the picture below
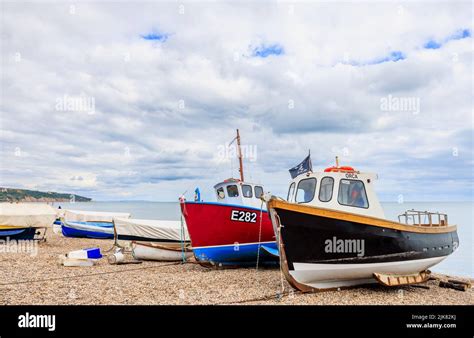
(220, 193)
(305, 191)
(258, 191)
(232, 191)
(325, 189)
(352, 193)
(247, 190)
(291, 191)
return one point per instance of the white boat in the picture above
(21, 221)
(90, 224)
(157, 252)
(93, 216)
(153, 239)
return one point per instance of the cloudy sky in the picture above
(126, 100)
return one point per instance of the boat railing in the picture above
(423, 218)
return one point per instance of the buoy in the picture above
(115, 258)
(343, 169)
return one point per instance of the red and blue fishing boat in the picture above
(235, 230)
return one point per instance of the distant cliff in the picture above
(21, 195)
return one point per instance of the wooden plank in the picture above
(398, 280)
(448, 285)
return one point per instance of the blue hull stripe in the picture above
(18, 234)
(271, 250)
(243, 254)
(71, 232)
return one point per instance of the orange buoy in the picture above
(343, 169)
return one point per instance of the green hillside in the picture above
(22, 195)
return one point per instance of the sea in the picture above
(460, 263)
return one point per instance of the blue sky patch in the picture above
(458, 35)
(392, 57)
(264, 51)
(155, 36)
(396, 56)
(432, 44)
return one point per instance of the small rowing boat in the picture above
(158, 240)
(23, 221)
(90, 224)
(153, 251)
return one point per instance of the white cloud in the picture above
(161, 109)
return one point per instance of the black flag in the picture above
(302, 168)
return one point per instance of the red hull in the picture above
(212, 224)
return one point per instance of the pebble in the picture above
(40, 280)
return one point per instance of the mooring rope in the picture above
(259, 235)
(277, 296)
(273, 296)
(87, 275)
(183, 256)
(282, 282)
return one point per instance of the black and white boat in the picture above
(332, 233)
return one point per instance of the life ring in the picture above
(343, 169)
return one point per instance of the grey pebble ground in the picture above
(41, 280)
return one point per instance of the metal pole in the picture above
(241, 170)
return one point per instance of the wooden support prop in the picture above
(129, 262)
(421, 286)
(448, 285)
(455, 281)
(397, 280)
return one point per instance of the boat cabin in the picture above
(337, 188)
(237, 192)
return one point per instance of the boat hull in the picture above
(330, 276)
(224, 234)
(237, 254)
(160, 251)
(18, 234)
(323, 250)
(96, 230)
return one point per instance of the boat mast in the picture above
(241, 166)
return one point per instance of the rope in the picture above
(282, 282)
(259, 235)
(278, 296)
(115, 244)
(183, 256)
(87, 275)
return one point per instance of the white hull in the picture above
(90, 227)
(327, 276)
(153, 253)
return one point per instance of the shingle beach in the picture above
(40, 279)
